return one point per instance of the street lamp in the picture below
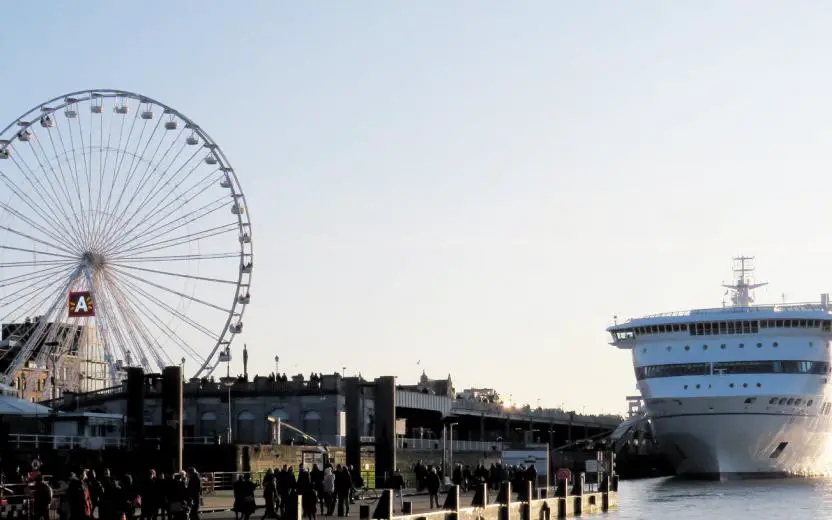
(225, 356)
(451, 445)
(54, 357)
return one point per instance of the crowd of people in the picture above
(85, 494)
(329, 489)
(430, 478)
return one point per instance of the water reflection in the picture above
(679, 499)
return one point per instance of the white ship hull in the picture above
(744, 444)
(740, 390)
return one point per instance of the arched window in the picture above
(245, 428)
(208, 424)
(312, 423)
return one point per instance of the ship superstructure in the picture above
(739, 390)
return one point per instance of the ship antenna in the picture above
(743, 267)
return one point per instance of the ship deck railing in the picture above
(780, 307)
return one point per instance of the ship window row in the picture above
(733, 367)
(723, 327)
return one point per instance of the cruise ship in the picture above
(740, 390)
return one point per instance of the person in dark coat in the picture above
(343, 483)
(194, 492)
(433, 484)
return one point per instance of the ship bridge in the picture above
(740, 317)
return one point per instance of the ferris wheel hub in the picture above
(92, 259)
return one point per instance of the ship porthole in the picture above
(643, 350)
(759, 385)
(668, 348)
(731, 385)
(697, 387)
(704, 347)
(686, 387)
(742, 345)
(745, 385)
(775, 344)
(722, 346)
(687, 347)
(759, 345)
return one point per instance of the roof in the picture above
(11, 405)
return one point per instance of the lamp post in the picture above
(228, 382)
(53, 357)
(451, 445)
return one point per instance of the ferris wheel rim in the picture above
(243, 218)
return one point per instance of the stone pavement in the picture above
(218, 505)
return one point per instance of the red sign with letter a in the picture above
(81, 304)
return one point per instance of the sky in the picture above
(478, 187)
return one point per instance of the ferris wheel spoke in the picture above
(156, 351)
(66, 212)
(57, 238)
(103, 161)
(166, 191)
(56, 297)
(164, 229)
(122, 218)
(26, 292)
(180, 240)
(26, 277)
(120, 332)
(9, 265)
(172, 291)
(178, 275)
(47, 179)
(77, 212)
(45, 220)
(154, 220)
(105, 225)
(161, 324)
(35, 251)
(39, 189)
(176, 258)
(39, 241)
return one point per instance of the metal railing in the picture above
(404, 443)
(66, 441)
(780, 307)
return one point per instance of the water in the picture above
(772, 499)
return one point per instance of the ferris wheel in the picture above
(125, 240)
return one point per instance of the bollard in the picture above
(578, 487)
(562, 492)
(452, 500)
(526, 507)
(384, 509)
(578, 490)
(298, 506)
(504, 499)
(562, 488)
(364, 512)
(407, 507)
(480, 496)
(604, 486)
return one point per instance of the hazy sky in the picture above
(477, 187)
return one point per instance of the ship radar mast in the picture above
(741, 289)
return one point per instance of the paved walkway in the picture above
(218, 506)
